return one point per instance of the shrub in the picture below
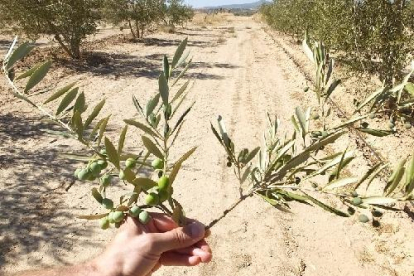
(68, 22)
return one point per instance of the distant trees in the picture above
(142, 14)
(69, 22)
(368, 31)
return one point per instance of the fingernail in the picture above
(196, 230)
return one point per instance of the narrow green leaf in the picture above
(60, 93)
(379, 200)
(97, 195)
(177, 165)
(368, 174)
(166, 67)
(307, 50)
(92, 217)
(180, 91)
(77, 123)
(151, 105)
(216, 134)
(113, 156)
(179, 52)
(395, 178)
(371, 97)
(326, 207)
(137, 105)
(302, 120)
(340, 183)
(102, 128)
(142, 127)
(223, 131)
(375, 132)
(375, 174)
(325, 141)
(251, 155)
(163, 88)
(182, 72)
(21, 51)
(69, 97)
(29, 72)
(80, 103)
(144, 183)
(38, 75)
(182, 59)
(182, 118)
(122, 140)
(94, 113)
(351, 121)
(151, 147)
(332, 88)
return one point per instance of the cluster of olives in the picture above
(117, 217)
(357, 201)
(160, 193)
(93, 170)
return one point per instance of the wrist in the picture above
(101, 266)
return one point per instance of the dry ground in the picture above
(240, 71)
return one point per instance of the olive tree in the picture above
(176, 12)
(139, 14)
(68, 22)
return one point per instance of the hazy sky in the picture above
(207, 3)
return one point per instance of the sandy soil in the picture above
(240, 71)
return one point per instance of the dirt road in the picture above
(240, 73)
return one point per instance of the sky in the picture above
(209, 3)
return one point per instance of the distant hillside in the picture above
(246, 6)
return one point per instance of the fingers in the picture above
(204, 256)
(180, 237)
(177, 259)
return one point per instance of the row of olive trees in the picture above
(376, 35)
(69, 22)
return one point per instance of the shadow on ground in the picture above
(125, 65)
(33, 215)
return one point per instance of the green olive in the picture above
(144, 217)
(107, 203)
(83, 174)
(357, 201)
(324, 134)
(117, 216)
(122, 175)
(130, 163)
(77, 172)
(158, 164)
(103, 164)
(104, 223)
(163, 195)
(164, 183)
(105, 180)
(407, 125)
(372, 116)
(135, 211)
(354, 193)
(152, 199)
(103, 151)
(363, 218)
(316, 116)
(95, 168)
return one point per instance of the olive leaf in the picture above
(60, 93)
(179, 52)
(122, 139)
(151, 147)
(37, 75)
(20, 52)
(70, 96)
(177, 165)
(142, 127)
(112, 153)
(94, 113)
(163, 88)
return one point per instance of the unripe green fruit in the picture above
(83, 174)
(104, 223)
(164, 183)
(105, 180)
(91, 177)
(152, 199)
(135, 211)
(94, 168)
(130, 163)
(407, 125)
(163, 195)
(354, 194)
(117, 216)
(372, 116)
(357, 201)
(391, 125)
(376, 213)
(316, 134)
(324, 134)
(77, 172)
(103, 164)
(363, 218)
(316, 117)
(103, 151)
(144, 217)
(107, 203)
(122, 175)
(158, 164)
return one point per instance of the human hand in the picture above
(139, 250)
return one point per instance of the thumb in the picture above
(180, 237)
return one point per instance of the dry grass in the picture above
(169, 29)
(204, 19)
